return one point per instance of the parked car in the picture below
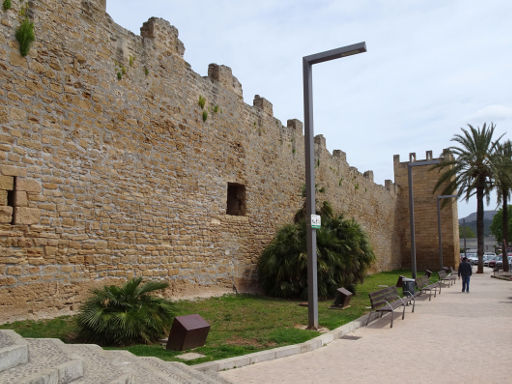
(473, 258)
(496, 262)
(488, 257)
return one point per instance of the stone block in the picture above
(23, 215)
(20, 199)
(28, 185)
(3, 197)
(5, 214)
(9, 170)
(7, 183)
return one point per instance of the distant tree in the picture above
(497, 224)
(465, 231)
(502, 161)
(468, 171)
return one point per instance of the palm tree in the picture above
(468, 171)
(502, 163)
(126, 315)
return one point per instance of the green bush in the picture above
(125, 315)
(25, 36)
(343, 257)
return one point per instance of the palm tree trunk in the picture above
(480, 228)
(506, 267)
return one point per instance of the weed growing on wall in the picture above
(25, 36)
(120, 70)
(202, 102)
(146, 71)
(131, 60)
(6, 5)
(205, 115)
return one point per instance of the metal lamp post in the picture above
(439, 225)
(410, 165)
(307, 63)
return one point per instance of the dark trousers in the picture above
(465, 283)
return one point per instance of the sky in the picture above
(431, 67)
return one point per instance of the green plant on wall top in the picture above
(6, 5)
(25, 36)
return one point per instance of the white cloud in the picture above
(493, 113)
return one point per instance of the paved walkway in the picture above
(455, 338)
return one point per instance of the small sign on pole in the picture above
(316, 221)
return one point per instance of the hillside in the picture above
(471, 221)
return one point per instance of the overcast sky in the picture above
(432, 66)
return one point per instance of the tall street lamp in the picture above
(411, 208)
(311, 218)
(439, 234)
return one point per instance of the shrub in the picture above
(25, 36)
(343, 257)
(125, 315)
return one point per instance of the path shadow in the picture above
(377, 322)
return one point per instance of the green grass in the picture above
(240, 324)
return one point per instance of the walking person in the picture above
(465, 270)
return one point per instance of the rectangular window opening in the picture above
(236, 200)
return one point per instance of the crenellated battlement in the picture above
(222, 75)
(162, 36)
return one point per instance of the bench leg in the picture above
(403, 313)
(391, 325)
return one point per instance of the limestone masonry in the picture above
(118, 160)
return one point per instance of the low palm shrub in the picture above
(344, 255)
(125, 315)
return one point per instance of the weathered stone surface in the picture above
(5, 215)
(3, 197)
(28, 185)
(10, 170)
(20, 199)
(7, 183)
(24, 215)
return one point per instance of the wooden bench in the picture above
(423, 284)
(386, 300)
(445, 277)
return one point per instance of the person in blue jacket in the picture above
(465, 271)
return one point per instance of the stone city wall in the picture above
(118, 160)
